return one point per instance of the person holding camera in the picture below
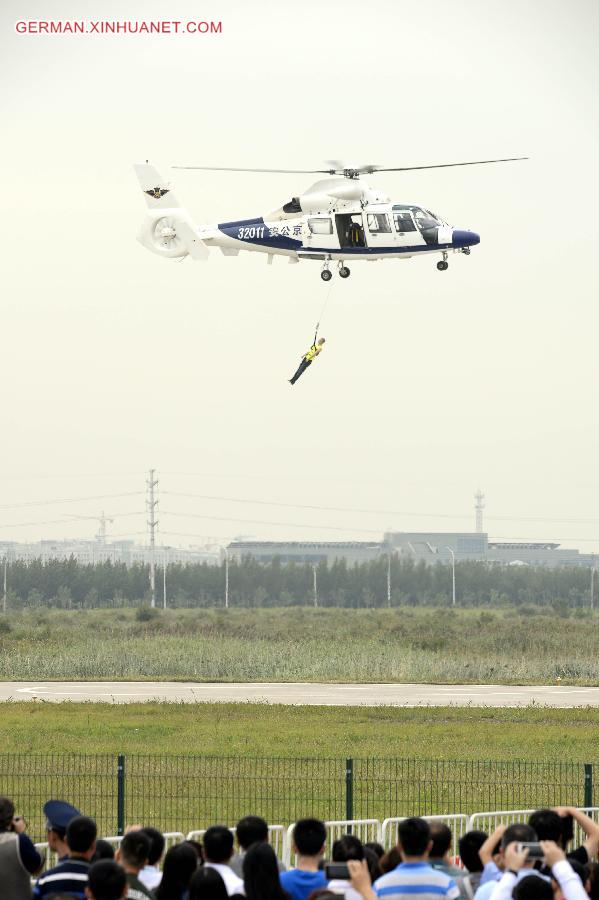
(557, 825)
(521, 881)
(19, 859)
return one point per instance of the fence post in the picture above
(120, 794)
(588, 784)
(349, 789)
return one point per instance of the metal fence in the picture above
(183, 793)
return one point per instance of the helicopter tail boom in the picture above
(168, 229)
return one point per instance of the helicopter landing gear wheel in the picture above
(442, 265)
(326, 274)
(344, 272)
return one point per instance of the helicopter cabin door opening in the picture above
(350, 229)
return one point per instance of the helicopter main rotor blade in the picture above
(275, 171)
(478, 162)
(338, 168)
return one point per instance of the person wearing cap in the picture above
(70, 875)
(19, 859)
(58, 814)
(308, 358)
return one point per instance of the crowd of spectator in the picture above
(523, 861)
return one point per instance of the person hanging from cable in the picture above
(308, 358)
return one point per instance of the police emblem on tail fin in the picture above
(157, 192)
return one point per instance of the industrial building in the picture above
(306, 551)
(437, 547)
(429, 547)
(98, 551)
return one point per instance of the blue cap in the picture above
(58, 814)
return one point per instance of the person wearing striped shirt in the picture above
(70, 875)
(414, 875)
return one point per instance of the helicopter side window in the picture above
(320, 226)
(378, 223)
(403, 222)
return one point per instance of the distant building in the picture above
(92, 552)
(537, 554)
(306, 551)
(435, 547)
(430, 548)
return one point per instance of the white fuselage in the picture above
(378, 230)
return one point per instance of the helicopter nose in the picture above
(465, 238)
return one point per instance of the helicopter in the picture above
(337, 219)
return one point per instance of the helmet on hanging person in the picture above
(321, 340)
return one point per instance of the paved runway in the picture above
(296, 694)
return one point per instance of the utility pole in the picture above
(592, 582)
(4, 595)
(226, 577)
(315, 586)
(151, 504)
(164, 578)
(389, 578)
(452, 575)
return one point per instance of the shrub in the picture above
(146, 613)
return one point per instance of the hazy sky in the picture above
(114, 360)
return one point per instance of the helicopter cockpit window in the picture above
(320, 226)
(378, 223)
(403, 221)
(425, 219)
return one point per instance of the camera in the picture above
(337, 870)
(535, 851)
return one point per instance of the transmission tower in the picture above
(479, 506)
(151, 504)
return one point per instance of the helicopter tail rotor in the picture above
(168, 229)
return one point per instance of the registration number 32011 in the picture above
(252, 231)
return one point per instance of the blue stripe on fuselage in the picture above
(277, 242)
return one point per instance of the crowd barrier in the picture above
(384, 832)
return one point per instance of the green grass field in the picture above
(302, 644)
(259, 730)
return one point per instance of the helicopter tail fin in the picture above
(158, 193)
(168, 229)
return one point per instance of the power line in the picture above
(349, 528)
(377, 512)
(68, 500)
(210, 537)
(277, 524)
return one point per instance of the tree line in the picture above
(69, 584)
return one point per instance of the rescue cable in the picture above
(322, 310)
